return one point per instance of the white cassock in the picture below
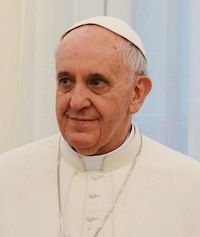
(160, 198)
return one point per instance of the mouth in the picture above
(81, 119)
(82, 124)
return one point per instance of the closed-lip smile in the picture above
(82, 119)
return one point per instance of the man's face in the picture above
(94, 90)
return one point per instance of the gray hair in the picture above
(133, 57)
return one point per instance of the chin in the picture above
(84, 150)
(83, 145)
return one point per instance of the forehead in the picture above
(91, 46)
(93, 36)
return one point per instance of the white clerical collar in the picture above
(96, 162)
(106, 162)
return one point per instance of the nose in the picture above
(79, 98)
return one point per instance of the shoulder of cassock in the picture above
(28, 163)
(30, 152)
(30, 170)
(153, 157)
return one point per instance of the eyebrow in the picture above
(63, 74)
(90, 76)
(97, 75)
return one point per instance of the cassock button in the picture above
(93, 196)
(92, 218)
(95, 177)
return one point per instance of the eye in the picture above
(65, 83)
(98, 83)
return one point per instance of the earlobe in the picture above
(141, 87)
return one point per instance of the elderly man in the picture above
(101, 176)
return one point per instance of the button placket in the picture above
(97, 201)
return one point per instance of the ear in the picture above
(141, 87)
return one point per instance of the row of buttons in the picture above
(97, 202)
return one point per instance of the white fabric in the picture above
(115, 25)
(110, 161)
(161, 199)
(96, 162)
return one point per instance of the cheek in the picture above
(110, 116)
(116, 113)
(117, 107)
(61, 105)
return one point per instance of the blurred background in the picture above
(170, 31)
